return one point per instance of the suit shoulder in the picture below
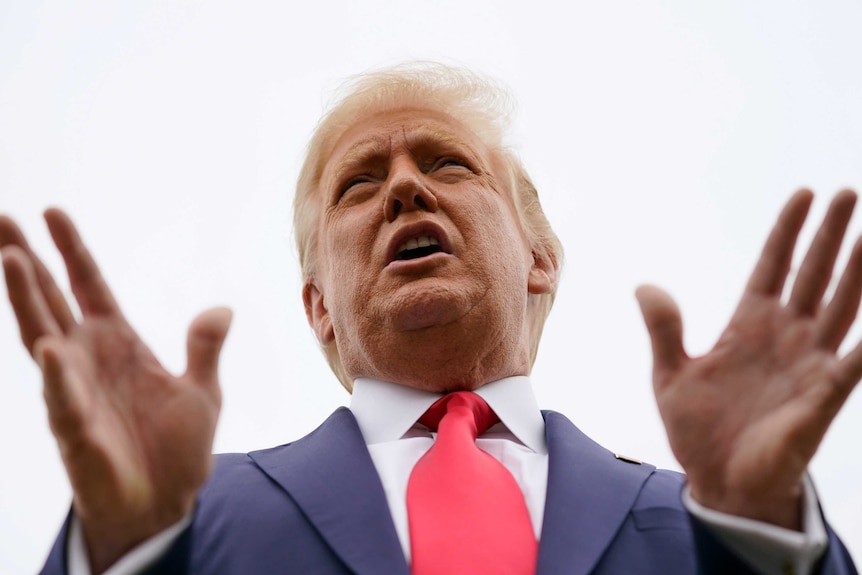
(662, 489)
(665, 483)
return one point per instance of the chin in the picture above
(443, 382)
(428, 308)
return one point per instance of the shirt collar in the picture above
(385, 411)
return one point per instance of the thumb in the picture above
(664, 324)
(206, 336)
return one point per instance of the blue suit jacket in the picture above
(317, 506)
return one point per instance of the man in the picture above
(429, 269)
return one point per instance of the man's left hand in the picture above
(745, 419)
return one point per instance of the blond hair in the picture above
(478, 103)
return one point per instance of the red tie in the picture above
(467, 514)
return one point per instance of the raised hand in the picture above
(136, 440)
(745, 419)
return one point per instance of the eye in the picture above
(451, 170)
(353, 183)
(450, 163)
(453, 166)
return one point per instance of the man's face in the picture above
(423, 269)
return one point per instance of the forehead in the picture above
(415, 128)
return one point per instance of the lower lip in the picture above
(418, 264)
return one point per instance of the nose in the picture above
(407, 191)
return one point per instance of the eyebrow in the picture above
(426, 136)
(418, 138)
(359, 153)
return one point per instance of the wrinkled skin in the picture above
(452, 320)
(135, 439)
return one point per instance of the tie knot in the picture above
(461, 405)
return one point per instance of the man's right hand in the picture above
(136, 440)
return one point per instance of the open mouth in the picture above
(419, 247)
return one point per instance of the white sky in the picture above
(663, 136)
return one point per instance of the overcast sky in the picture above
(663, 135)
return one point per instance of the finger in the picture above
(88, 285)
(664, 324)
(206, 336)
(63, 394)
(840, 314)
(34, 318)
(11, 234)
(816, 270)
(772, 268)
(848, 374)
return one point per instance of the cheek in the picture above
(501, 240)
(347, 263)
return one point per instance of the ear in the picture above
(317, 314)
(544, 273)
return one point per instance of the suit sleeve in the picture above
(714, 558)
(166, 552)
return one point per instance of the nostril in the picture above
(420, 202)
(396, 207)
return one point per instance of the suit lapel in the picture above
(590, 493)
(330, 475)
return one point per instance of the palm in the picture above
(135, 440)
(745, 419)
(136, 418)
(729, 409)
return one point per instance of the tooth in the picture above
(420, 242)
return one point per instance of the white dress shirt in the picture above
(387, 415)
